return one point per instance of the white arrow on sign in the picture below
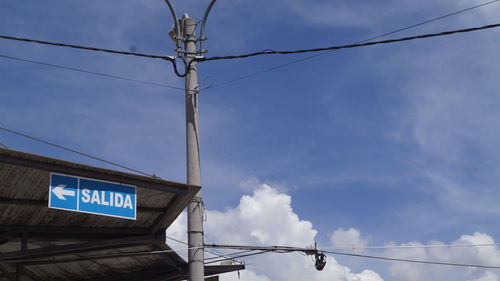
(59, 191)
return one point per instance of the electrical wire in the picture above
(58, 44)
(128, 254)
(75, 151)
(111, 255)
(415, 246)
(265, 52)
(204, 249)
(413, 261)
(3, 145)
(277, 249)
(93, 73)
(237, 257)
(295, 249)
(250, 251)
(168, 58)
(229, 255)
(282, 249)
(428, 21)
(261, 251)
(331, 48)
(358, 42)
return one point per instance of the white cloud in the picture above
(365, 275)
(245, 275)
(348, 238)
(488, 276)
(466, 255)
(178, 229)
(252, 183)
(267, 218)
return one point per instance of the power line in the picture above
(291, 249)
(135, 253)
(168, 58)
(261, 250)
(110, 255)
(76, 152)
(121, 254)
(91, 72)
(415, 246)
(58, 44)
(358, 42)
(309, 251)
(204, 249)
(257, 250)
(230, 255)
(238, 256)
(413, 261)
(428, 21)
(267, 52)
(331, 48)
(3, 145)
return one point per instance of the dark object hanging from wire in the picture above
(319, 260)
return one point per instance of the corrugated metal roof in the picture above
(39, 243)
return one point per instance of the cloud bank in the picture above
(266, 218)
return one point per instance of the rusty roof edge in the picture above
(66, 167)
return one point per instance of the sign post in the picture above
(92, 196)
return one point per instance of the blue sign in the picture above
(92, 196)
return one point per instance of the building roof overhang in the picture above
(41, 243)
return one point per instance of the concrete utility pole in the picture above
(185, 33)
(195, 208)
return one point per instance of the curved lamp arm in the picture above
(177, 28)
(203, 23)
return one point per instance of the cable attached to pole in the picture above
(171, 59)
(319, 255)
(91, 72)
(58, 44)
(331, 48)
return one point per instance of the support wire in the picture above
(413, 261)
(350, 46)
(91, 72)
(76, 152)
(358, 42)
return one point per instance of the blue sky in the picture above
(396, 141)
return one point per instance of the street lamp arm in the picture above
(177, 27)
(203, 23)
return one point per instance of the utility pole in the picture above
(185, 33)
(195, 208)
